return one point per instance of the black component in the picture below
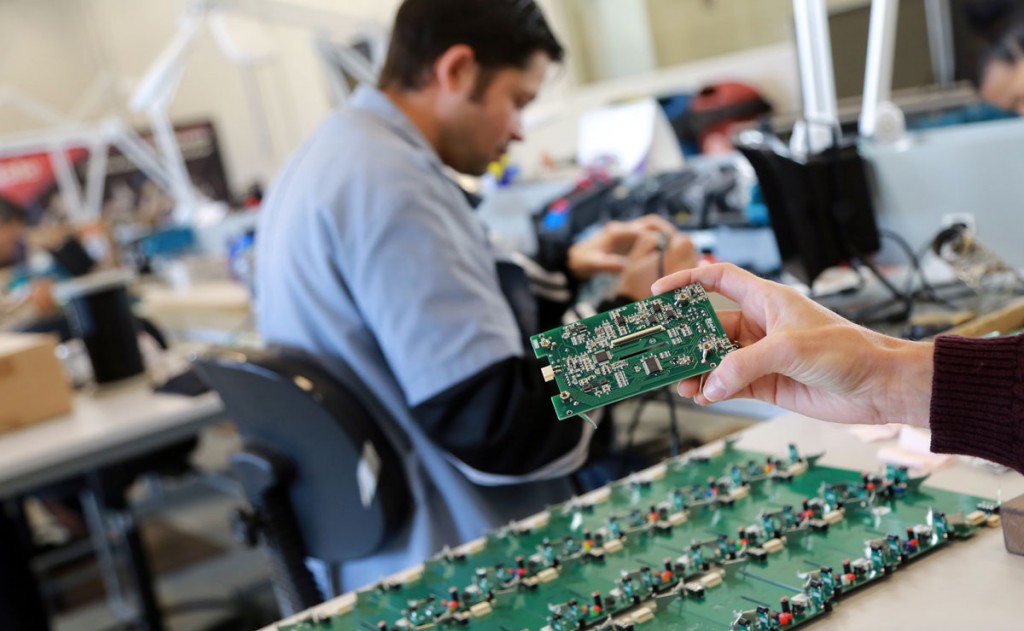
(663, 528)
(602, 356)
(819, 525)
(652, 365)
(596, 555)
(821, 207)
(757, 554)
(847, 569)
(695, 590)
(784, 603)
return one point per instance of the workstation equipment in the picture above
(724, 539)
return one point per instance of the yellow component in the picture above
(677, 519)
(798, 468)
(993, 521)
(481, 609)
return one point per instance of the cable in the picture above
(673, 425)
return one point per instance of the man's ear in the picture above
(456, 69)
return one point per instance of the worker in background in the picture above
(798, 355)
(369, 256)
(22, 300)
(1002, 73)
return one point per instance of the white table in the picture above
(106, 426)
(972, 584)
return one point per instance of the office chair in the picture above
(323, 480)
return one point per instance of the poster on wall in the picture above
(129, 196)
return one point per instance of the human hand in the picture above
(653, 255)
(41, 296)
(609, 249)
(796, 354)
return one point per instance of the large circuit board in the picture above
(726, 540)
(630, 350)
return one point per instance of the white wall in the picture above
(54, 49)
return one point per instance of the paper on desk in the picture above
(914, 451)
(875, 433)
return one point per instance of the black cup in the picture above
(99, 312)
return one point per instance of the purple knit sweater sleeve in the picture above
(977, 405)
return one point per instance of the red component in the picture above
(452, 606)
(851, 578)
(786, 619)
(870, 486)
(915, 543)
(666, 577)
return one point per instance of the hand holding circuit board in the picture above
(631, 350)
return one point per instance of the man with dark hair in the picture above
(370, 257)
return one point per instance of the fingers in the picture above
(656, 223)
(645, 244)
(725, 278)
(605, 262)
(740, 368)
(680, 253)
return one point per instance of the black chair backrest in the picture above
(349, 494)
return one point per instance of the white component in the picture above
(536, 522)
(345, 605)
(598, 496)
(711, 579)
(548, 372)
(613, 546)
(739, 493)
(773, 545)
(834, 517)
(975, 518)
(409, 576)
(547, 575)
(798, 468)
(677, 519)
(653, 474)
(481, 609)
(470, 548)
(643, 615)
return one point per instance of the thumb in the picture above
(743, 367)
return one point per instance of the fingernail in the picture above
(713, 389)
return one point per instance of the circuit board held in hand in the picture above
(632, 349)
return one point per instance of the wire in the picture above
(588, 419)
(673, 425)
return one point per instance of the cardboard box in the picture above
(1003, 321)
(33, 386)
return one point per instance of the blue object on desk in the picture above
(168, 242)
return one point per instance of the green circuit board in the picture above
(726, 540)
(627, 351)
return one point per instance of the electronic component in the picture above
(632, 349)
(589, 565)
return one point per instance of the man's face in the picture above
(479, 127)
(1002, 85)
